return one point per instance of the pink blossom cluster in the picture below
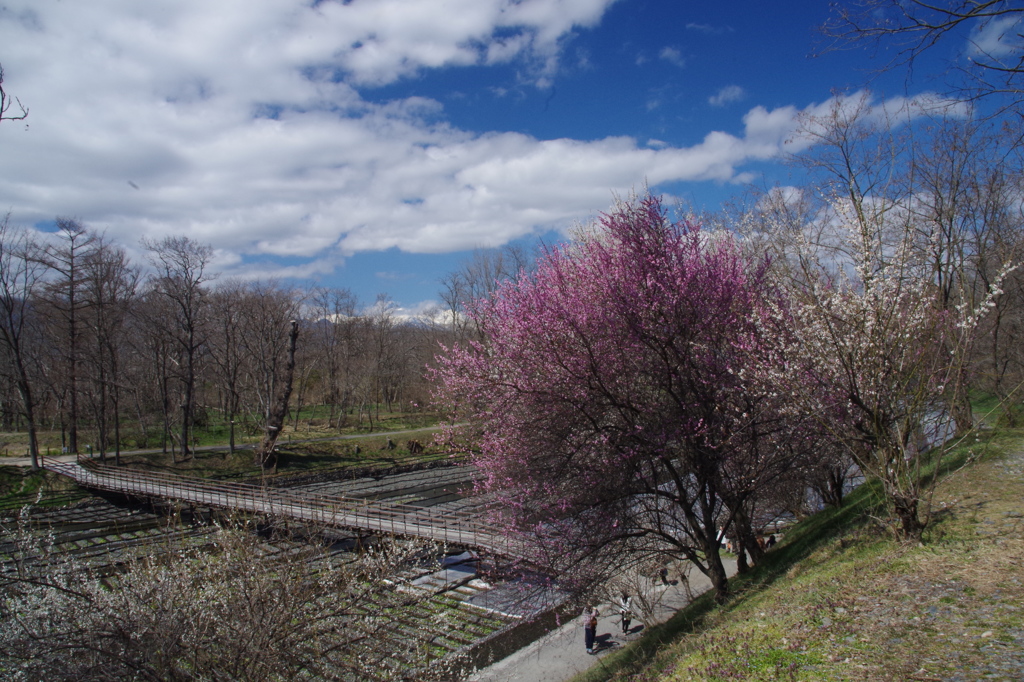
(613, 385)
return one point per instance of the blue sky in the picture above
(373, 144)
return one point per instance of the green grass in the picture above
(296, 457)
(213, 430)
(993, 411)
(647, 655)
(19, 486)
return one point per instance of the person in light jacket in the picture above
(625, 610)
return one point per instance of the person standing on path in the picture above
(590, 615)
(625, 611)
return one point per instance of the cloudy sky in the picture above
(373, 144)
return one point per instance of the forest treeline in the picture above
(114, 355)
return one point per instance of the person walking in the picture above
(625, 611)
(590, 615)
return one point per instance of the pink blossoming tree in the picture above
(610, 388)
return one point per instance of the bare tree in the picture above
(180, 278)
(109, 289)
(264, 454)
(266, 311)
(477, 278)
(331, 335)
(154, 363)
(21, 273)
(6, 102)
(855, 155)
(954, 176)
(63, 294)
(225, 611)
(226, 329)
(385, 351)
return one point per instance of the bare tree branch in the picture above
(992, 60)
(6, 101)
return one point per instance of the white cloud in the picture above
(728, 94)
(393, 275)
(784, 195)
(997, 38)
(245, 129)
(861, 105)
(426, 312)
(672, 55)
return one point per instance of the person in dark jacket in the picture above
(590, 615)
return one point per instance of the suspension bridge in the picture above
(459, 528)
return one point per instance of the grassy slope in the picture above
(840, 599)
(19, 486)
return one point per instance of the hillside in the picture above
(841, 599)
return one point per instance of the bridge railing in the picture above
(457, 527)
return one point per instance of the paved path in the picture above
(560, 654)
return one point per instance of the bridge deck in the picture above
(459, 528)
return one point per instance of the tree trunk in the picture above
(748, 541)
(25, 388)
(264, 454)
(742, 567)
(719, 579)
(906, 510)
(833, 495)
(33, 437)
(116, 404)
(962, 413)
(186, 408)
(101, 413)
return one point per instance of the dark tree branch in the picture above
(6, 101)
(914, 27)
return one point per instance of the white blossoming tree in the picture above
(880, 357)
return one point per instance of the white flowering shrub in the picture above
(878, 358)
(225, 611)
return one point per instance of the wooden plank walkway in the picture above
(457, 528)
